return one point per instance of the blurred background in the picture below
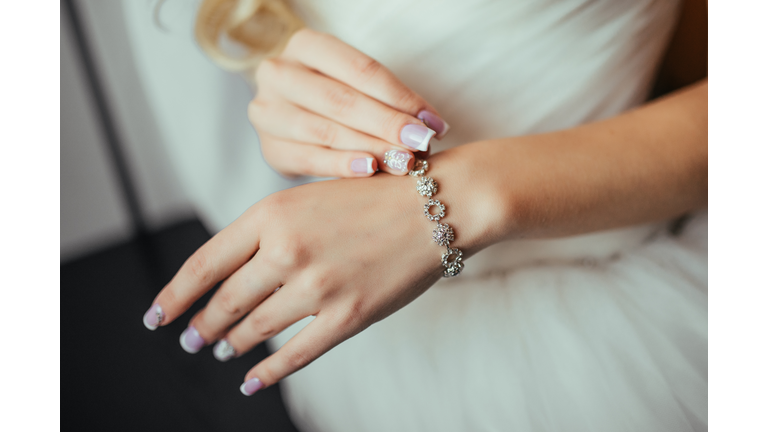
(126, 227)
(97, 209)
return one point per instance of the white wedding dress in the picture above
(601, 332)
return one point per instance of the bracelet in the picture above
(443, 233)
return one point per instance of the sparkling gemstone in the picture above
(442, 234)
(453, 270)
(440, 210)
(426, 186)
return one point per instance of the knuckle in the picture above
(365, 67)
(312, 292)
(267, 70)
(298, 39)
(261, 327)
(324, 132)
(274, 156)
(269, 151)
(353, 315)
(199, 267)
(340, 99)
(305, 165)
(272, 208)
(229, 303)
(286, 254)
(406, 100)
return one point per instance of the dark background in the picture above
(115, 374)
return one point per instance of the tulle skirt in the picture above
(613, 344)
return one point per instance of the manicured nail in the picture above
(251, 386)
(398, 160)
(434, 122)
(154, 317)
(191, 341)
(362, 165)
(223, 351)
(416, 136)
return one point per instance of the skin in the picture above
(321, 104)
(374, 253)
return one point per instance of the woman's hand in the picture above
(349, 252)
(325, 109)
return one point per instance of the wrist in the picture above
(477, 207)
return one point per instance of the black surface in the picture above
(116, 375)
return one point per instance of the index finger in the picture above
(334, 58)
(214, 261)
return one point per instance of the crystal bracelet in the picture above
(443, 233)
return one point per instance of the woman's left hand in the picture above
(350, 252)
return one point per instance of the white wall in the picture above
(93, 213)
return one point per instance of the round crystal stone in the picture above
(426, 186)
(442, 234)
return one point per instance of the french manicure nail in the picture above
(251, 386)
(398, 160)
(223, 351)
(154, 317)
(190, 340)
(416, 136)
(434, 122)
(362, 165)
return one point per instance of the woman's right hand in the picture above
(325, 109)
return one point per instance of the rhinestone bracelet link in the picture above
(443, 233)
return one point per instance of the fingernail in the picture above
(191, 341)
(154, 317)
(251, 386)
(398, 160)
(362, 165)
(434, 122)
(416, 136)
(223, 351)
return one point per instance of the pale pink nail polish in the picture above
(154, 317)
(251, 386)
(434, 122)
(398, 160)
(416, 136)
(223, 351)
(362, 165)
(191, 340)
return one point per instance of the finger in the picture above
(291, 158)
(215, 260)
(314, 340)
(343, 104)
(275, 314)
(236, 297)
(334, 58)
(289, 122)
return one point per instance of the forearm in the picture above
(646, 165)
